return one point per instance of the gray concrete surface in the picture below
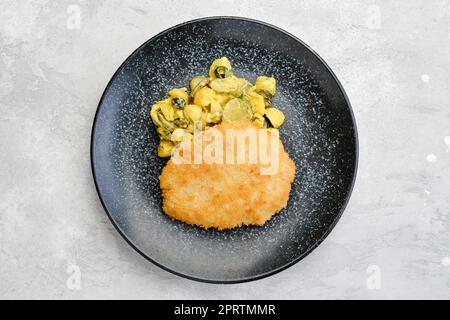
(393, 58)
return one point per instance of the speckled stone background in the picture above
(392, 57)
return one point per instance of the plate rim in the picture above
(267, 273)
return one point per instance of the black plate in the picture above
(319, 134)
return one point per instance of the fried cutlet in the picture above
(225, 196)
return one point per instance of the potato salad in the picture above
(211, 99)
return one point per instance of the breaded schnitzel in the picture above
(227, 195)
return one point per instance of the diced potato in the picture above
(179, 93)
(259, 121)
(274, 131)
(223, 98)
(203, 119)
(204, 97)
(213, 117)
(179, 135)
(257, 102)
(190, 128)
(193, 112)
(250, 90)
(215, 107)
(275, 116)
(243, 86)
(226, 85)
(165, 148)
(232, 85)
(198, 81)
(266, 84)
